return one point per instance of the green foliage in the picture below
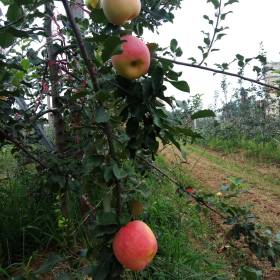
(249, 273)
(25, 226)
(263, 152)
(102, 124)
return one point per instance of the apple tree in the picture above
(82, 103)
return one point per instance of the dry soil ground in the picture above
(211, 169)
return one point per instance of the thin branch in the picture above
(58, 121)
(90, 66)
(219, 72)
(21, 147)
(39, 115)
(197, 199)
(93, 74)
(214, 35)
(63, 49)
(12, 23)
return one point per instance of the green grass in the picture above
(186, 239)
(263, 152)
(248, 172)
(7, 163)
(29, 229)
(26, 218)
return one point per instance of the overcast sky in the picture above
(253, 22)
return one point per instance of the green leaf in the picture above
(203, 114)
(223, 16)
(14, 12)
(250, 273)
(119, 172)
(25, 64)
(207, 41)
(216, 3)
(178, 52)
(49, 264)
(187, 132)
(231, 2)
(98, 16)
(111, 46)
(7, 39)
(240, 57)
(173, 45)
(220, 36)
(181, 85)
(101, 116)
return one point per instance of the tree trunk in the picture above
(58, 122)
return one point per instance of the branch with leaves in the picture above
(217, 71)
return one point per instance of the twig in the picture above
(90, 66)
(214, 35)
(65, 48)
(177, 183)
(219, 72)
(21, 147)
(12, 23)
(39, 115)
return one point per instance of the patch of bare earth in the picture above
(265, 205)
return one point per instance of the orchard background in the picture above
(85, 148)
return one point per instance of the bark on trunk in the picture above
(58, 121)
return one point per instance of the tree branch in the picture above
(59, 125)
(39, 115)
(214, 35)
(90, 66)
(21, 147)
(219, 72)
(180, 185)
(92, 72)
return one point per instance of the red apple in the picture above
(135, 245)
(134, 61)
(120, 11)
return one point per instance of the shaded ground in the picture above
(211, 169)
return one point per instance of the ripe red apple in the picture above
(135, 245)
(120, 11)
(134, 61)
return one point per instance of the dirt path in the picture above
(211, 169)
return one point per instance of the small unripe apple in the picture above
(120, 11)
(92, 4)
(135, 245)
(134, 61)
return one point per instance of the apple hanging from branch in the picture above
(134, 61)
(135, 245)
(120, 11)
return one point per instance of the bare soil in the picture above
(211, 169)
